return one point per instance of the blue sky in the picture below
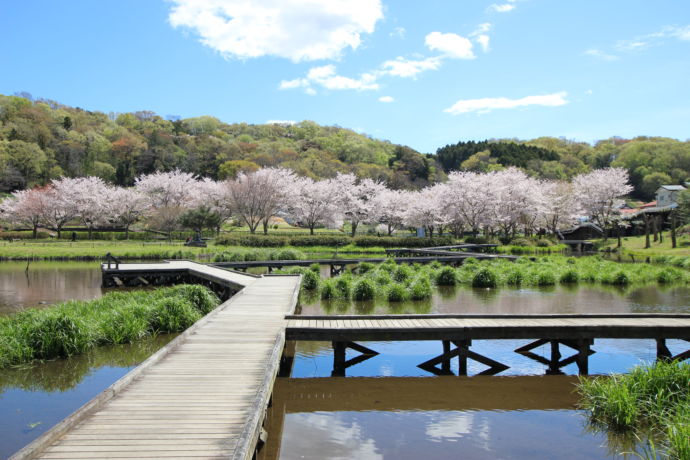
(423, 74)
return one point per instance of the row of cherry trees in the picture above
(504, 202)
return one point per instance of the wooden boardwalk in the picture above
(456, 332)
(202, 396)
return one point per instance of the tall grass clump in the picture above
(420, 289)
(397, 293)
(569, 277)
(365, 267)
(654, 397)
(310, 280)
(287, 254)
(364, 289)
(74, 327)
(343, 287)
(402, 273)
(328, 290)
(447, 276)
(485, 278)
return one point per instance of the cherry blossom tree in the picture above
(469, 200)
(600, 193)
(278, 181)
(214, 195)
(91, 196)
(59, 201)
(388, 208)
(355, 198)
(560, 205)
(314, 203)
(170, 194)
(24, 207)
(250, 195)
(426, 209)
(126, 206)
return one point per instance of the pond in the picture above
(386, 407)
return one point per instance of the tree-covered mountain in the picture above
(41, 140)
(650, 161)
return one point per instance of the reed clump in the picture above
(654, 397)
(72, 328)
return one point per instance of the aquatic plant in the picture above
(485, 278)
(364, 289)
(365, 267)
(310, 280)
(420, 289)
(569, 277)
(653, 396)
(447, 277)
(397, 292)
(120, 317)
(328, 290)
(402, 273)
(343, 287)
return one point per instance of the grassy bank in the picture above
(651, 401)
(74, 327)
(402, 282)
(635, 245)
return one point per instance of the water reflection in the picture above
(35, 397)
(554, 299)
(439, 418)
(46, 283)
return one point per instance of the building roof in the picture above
(673, 188)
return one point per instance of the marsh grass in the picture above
(654, 397)
(74, 327)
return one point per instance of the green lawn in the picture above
(635, 245)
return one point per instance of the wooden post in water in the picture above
(338, 359)
(445, 366)
(583, 355)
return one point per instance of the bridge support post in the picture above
(340, 363)
(555, 363)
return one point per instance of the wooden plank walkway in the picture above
(463, 327)
(204, 395)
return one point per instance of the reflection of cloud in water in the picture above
(307, 435)
(453, 426)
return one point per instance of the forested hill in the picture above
(650, 161)
(43, 139)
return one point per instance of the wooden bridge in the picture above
(456, 333)
(203, 395)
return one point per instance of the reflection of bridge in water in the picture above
(456, 332)
(397, 394)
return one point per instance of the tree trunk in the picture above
(311, 229)
(127, 232)
(673, 230)
(90, 233)
(265, 223)
(35, 231)
(647, 245)
(654, 229)
(354, 228)
(618, 233)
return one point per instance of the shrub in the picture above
(201, 298)
(570, 277)
(287, 254)
(310, 280)
(522, 242)
(484, 278)
(397, 293)
(404, 242)
(447, 277)
(259, 241)
(544, 243)
(316, 268)
(383, 278)
(364, 289)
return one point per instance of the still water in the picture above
(386, 407)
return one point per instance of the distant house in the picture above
(584, 231)
(667, 195)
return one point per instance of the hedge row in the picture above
(330, 240)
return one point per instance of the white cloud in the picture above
(597, 53)
(503, 8)
(654, 39)
(487, 104)
(451, 45)
(281, 122)
(326, 77)
(483, 41)
(407, 68)
(398, 32)
(386, 99)
(299, 30)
